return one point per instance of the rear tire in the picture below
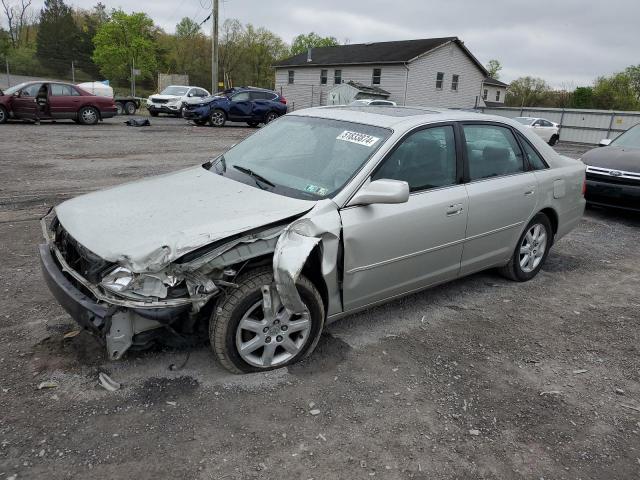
(130, 108)
(270, 117)
(531, 250)
(553, 140)
(119, 108)
(88, 116)
(287, 339)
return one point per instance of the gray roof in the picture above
(495, 82)
(369, 89)
(402, 51)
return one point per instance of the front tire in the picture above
(531, 251)
(217, 118)
(245, 338)
(88, 116)
(4, 116)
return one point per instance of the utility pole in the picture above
(214, 47)
(73, 72)
(8, 76)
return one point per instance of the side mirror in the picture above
(605, 142)
(16, 94)
(190, 95)
(382, 191)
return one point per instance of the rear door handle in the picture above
(455, 209)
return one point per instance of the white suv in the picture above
(173, 99)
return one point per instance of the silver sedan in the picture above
(322, 213)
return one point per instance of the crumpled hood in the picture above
(147, 224)
(618, 158)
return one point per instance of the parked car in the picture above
(245, 104)
(173, 99)
(547, 130)
(373, 101)
(262, 246)
(613, 171)
(54, 101)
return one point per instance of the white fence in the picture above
(582, 126)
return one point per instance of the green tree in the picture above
(527, 92)
(88, 22)
(125, 40)
(493, 68)
(633, 72)
(311, 40)
(582, 97)
(57, 38)
(187, 28)
(615, 93)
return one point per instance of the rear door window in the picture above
(59, 90)
(534, 159)
(492, 151)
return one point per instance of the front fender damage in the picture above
(319, 228)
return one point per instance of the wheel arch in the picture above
(552, 215)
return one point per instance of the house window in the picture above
(439, 80)
(377, 73)
(454, 82)
(485, 95)
(323, 77)
(291, 75)
(337, 77)
(497, 95)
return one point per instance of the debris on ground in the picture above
(474, 432)
(47, 384)
(71, 334)
(579, 371)
(107, 382)
(314, 412)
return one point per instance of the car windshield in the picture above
(524, 120)
(14, 89)
(302, 157)
(177, 91)
(630, 138)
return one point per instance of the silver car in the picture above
(325, 212)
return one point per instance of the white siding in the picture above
(491, 93)
(451, 60)
(306, 91)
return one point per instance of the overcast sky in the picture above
(566, 42)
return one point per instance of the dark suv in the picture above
(244, 104)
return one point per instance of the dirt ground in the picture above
(480, 378)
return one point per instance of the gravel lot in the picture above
(480, 378)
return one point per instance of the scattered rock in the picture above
(579, 371)
(314, 412)
(474, 432)
(619, 391)
(173, 404)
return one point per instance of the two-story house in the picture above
(437, 72)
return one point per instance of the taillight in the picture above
(584, 188)
(283, 100)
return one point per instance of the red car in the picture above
(54, 101)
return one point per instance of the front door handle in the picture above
(530, 191)
(455, 209)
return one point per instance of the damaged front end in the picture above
(171, 303)
(128, 309)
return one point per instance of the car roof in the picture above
(391, 117)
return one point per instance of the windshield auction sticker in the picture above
(359, 138)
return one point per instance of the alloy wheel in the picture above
(89, 116)
(217, 118)
(268, 335)
(533, 247)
